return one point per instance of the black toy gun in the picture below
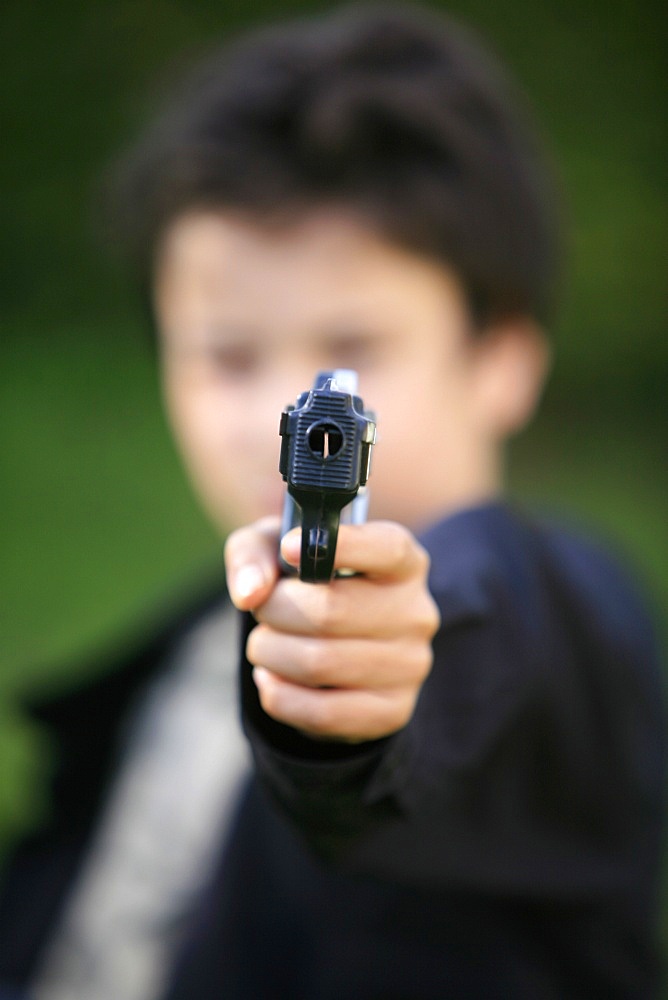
(326, 440)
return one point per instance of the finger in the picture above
(337, 714)
(354, 607)
(251, 564)
(344, 663)
(380, 549)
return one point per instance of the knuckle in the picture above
(423, 560)
(396, 713)
(417, 659)
(257, 645)
(424, 661)
(321, 721)
(270, 701)
(253, 644)
(328, 613)
(399, 544)
(251, 648)
(233, 543)
(409, 708)
(248, 541)
(314, 663)
(430, 616)
(404, 552)
(240, 537)
(425, 615)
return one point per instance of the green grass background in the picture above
(98, 526)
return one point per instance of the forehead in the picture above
(219, 251)
(326, 257)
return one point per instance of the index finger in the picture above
(379, 549)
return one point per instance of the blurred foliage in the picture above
(97, 519)
(82, 76)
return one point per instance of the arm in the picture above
(377, 759)
(496, 771)
(333, 672)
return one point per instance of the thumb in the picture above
(251, 564)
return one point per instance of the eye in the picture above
(354, 350)
(236, 360)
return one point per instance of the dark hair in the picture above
(391, 111)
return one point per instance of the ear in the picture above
(512, 364)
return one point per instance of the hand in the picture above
(344, 660)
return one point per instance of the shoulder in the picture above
(536, 615)
(548, 584)
(479, 550)
(84, 722)
(597, 584)
(84, 725)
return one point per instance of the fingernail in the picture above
(248, 580)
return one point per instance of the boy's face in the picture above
(248, 314)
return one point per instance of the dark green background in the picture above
(97, 523)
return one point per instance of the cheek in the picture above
(199, 434)
(412, 422)
(418, 442)
(235, 478)
(200, 428)
(398, 456)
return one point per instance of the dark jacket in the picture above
(505, 844)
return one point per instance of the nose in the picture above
(281, 387)
(258, 422)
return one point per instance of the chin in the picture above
(250, 513)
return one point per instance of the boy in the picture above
(459, 750)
